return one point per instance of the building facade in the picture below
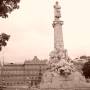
(29, 73)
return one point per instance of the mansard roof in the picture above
(35, 60)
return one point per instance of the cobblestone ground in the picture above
(48, 89)
(15, 88)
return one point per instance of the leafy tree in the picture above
(3, 40)
(83, 57)
(7, 6)
(86, 70)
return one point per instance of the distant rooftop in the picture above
(35, 60)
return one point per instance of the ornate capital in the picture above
(57, 22)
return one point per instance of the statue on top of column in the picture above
(57, 10)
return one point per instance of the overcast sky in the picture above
(31, 29)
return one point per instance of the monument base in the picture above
(53, 81)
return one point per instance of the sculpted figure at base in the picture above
(62, 74)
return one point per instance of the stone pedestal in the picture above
(75, 81)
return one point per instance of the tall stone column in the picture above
(59, 51)
(57, 25)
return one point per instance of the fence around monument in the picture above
(80, 88)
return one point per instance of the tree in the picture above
(3, 40)
(83, 57)
(86, 70)
(7, 6)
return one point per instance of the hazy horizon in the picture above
(31, 29)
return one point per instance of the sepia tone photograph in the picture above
(44, 45)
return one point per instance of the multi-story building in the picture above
(23, 74)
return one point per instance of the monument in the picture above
(62, 74)
(58, 34)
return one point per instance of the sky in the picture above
(32, 34)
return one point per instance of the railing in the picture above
(79, 88)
